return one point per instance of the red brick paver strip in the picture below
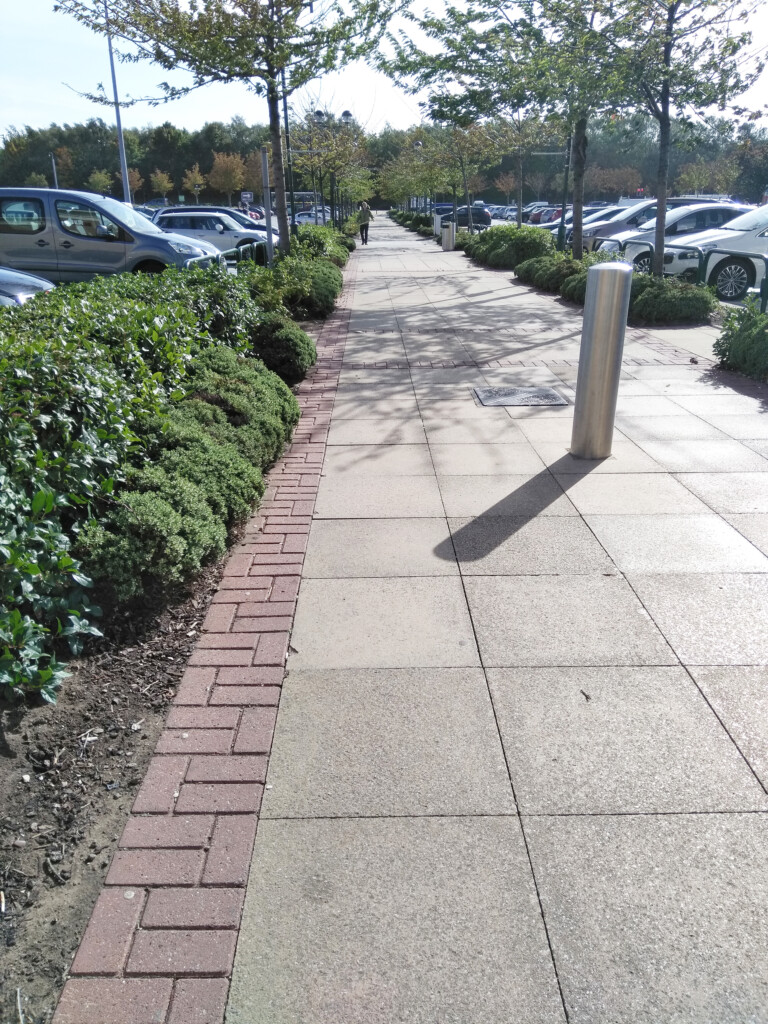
(160, 943)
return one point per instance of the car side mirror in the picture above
(220, 228)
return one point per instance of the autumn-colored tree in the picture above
(227, 174)
(506, 183)
(65, 167)
(193, 181)
(99, 181)
(135, 180)
(160, 182)
(539, 181)
(612, 181)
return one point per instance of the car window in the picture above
(175, 222)
(716, 218)
(755, 220)
(22, 216)
(85, 221)
(690, 222)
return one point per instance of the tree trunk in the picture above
(519, 190)
(466, 195)
(275, 135)
(665, 132)
(579, 161)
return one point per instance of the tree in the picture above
(193, 181)
(35, 180)
(227, 174)
(684, 56)
(506, 183)
(274, 46)
(135, 180)
(160, 182)
(99, 181)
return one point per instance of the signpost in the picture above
(246, 197)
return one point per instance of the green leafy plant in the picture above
(743, 341)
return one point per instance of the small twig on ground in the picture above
(18, 1006)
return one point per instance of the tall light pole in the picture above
(55, 175)
(120, 140)
(321, 118)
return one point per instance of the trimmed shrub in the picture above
(506, 246)
(574, 288)
(283, 347)
(673, 302)
(322, 242)
(743, 341)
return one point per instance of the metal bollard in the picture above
(449, 237)
(436, 221)
(602, 344)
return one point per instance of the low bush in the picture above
(135, 424)
(322, 242)
(669, 301)
(508, 245)
(743, 341)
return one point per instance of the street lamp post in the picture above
(323, 118)
(120, 140)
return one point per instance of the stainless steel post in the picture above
(436, 222)
(267, 202)
(448, 237)
(602, 344)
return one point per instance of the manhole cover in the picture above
(519, 396)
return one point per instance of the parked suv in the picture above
(480, 217)
(64, 235)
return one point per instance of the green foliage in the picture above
(283, 347)
(323, 242)
(574, 288)
(508, 245)
(135, 424)
(743, 341)
(669, 301)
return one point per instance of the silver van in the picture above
(64, 235)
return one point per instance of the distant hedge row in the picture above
(137, 414)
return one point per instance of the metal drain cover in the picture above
(519, 396)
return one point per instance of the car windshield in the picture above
(128, 217)
(755, 220)
(605, 214)
(647, 224)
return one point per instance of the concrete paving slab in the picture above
(377, 431)
(709, 618)
(739, 696)
(499, 430)
(553, 431)
(513, 546)
(382, 623)
(485, 459)
(387, 742)
(744, 427)
(617, 741)
(516, 495)
(646, 406)
(667, 428)
(625, 457)
(365, 460)
(726, 492)
(378, 497)
(722, 404)
(630, 494)
(657, 918)
(562, 620)
(375, 408)
(753, 526)
(676, 543)
(375, 921)
(705, 456)
(379, 547)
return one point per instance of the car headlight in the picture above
(610, 246)
(708, 246)
(687, 255)
(183, 249)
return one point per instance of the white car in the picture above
(308, 216)
(680, 222)
(731, 275)
(218, 229)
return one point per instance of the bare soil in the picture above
(68, 776)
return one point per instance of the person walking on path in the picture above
(364, 217)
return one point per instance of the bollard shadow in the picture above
(493, 527)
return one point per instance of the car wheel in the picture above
(643, 264)
(149, 267)
(732, 279)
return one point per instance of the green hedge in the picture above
(508, 245)
(743, 341)
(653, 300)
(135, 424)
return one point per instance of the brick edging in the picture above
(160, 944)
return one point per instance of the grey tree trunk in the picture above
(275, 136)
(579, 162)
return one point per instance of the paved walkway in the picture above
(518, 773)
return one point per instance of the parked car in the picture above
(16, 288)
(632, 214)
(589, 219)
(218, 229)
(510, 213)
(683, 221)
(480, 218)
(731, 275)
(531, 207)
(587, 212)
(64, 235)
(243, 219)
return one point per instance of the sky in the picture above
(48, 58)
